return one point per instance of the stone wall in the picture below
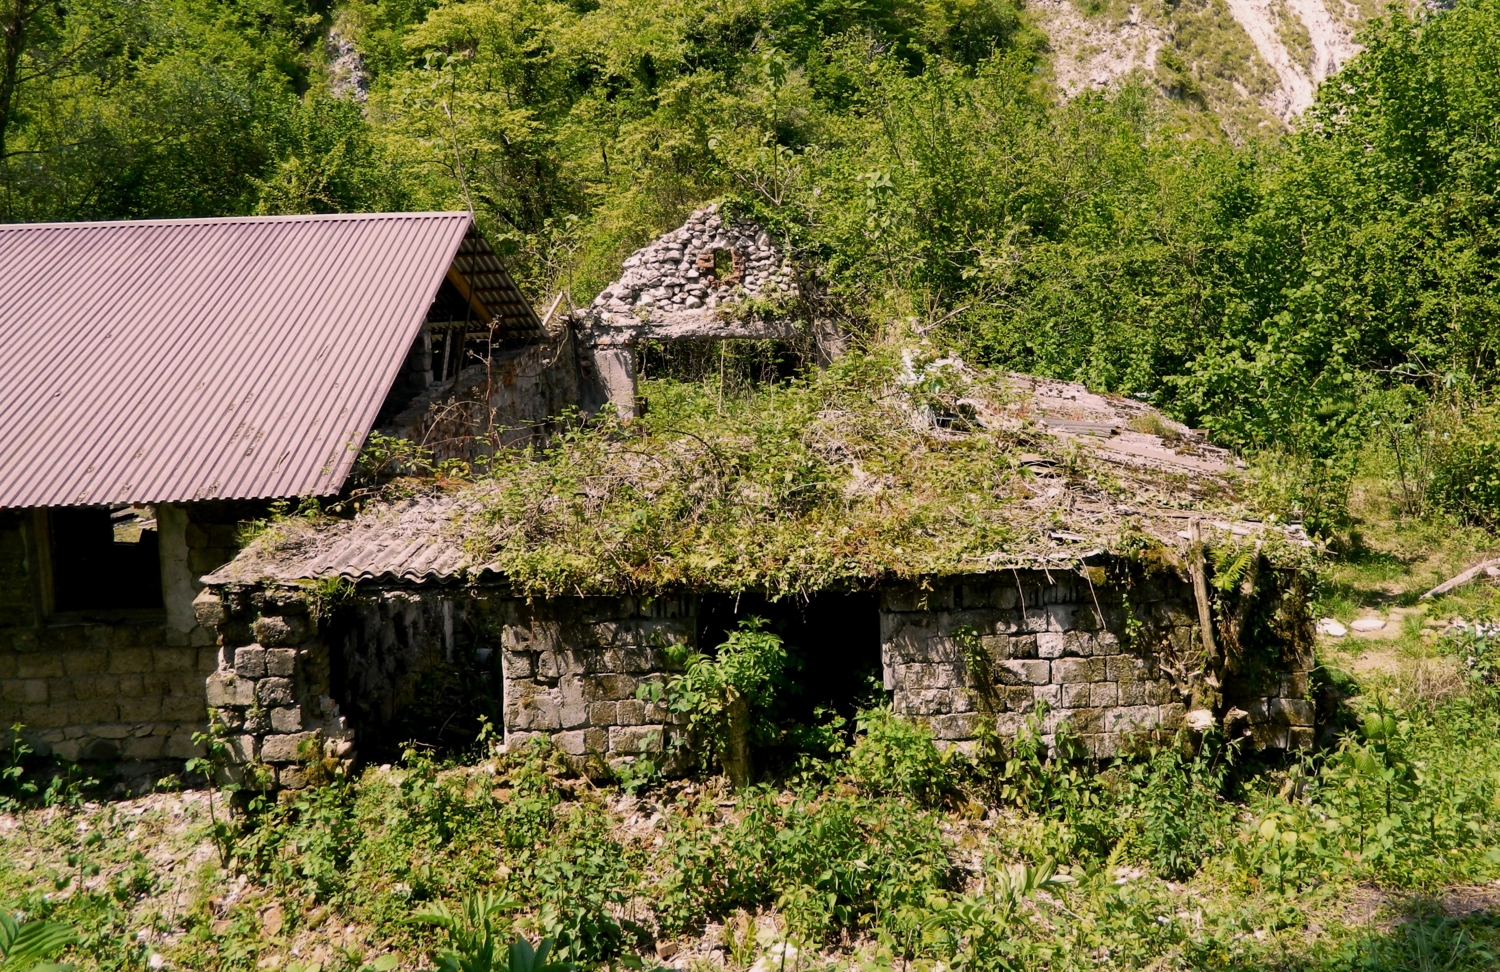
(122, 691)
(1118, 664)
(270, 691)
(573, 670)
(512, 399)
(569, 668)
(1118, 667)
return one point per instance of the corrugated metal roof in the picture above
(413, 540)
(238, 358)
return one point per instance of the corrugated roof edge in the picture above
(183, 221)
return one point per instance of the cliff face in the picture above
(1256, 63)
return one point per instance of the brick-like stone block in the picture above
(518, 665)
(241, 747)
(287, 718)
(1083, 720)
(1051, 644)
(1130, 718)
(1125, 668)
(1171, 716)
(272, 692)
(93, 661)
(281, 662)
(250, 661)
(208, 609)
(41, 665)
(630, 712)
(535, 710)
(288, 748)
(143, 747)
(1294, 685)
(180, 745)
(148, 709)
(573, 708)
(1071, 670)
(1300, 737)
(1293, 712)
(581, 742)
(273, 631)
(955, 726)
(627, 740)
(177, 659)
(223, 688)
(1024, 672)
(32, 690)
(291, 777)
(603, 713)
(1077, 694)
(609, 687)
(126, 660)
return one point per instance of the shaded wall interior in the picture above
(414, 668)
(832, 641)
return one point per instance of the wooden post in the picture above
(1197, 570)
(737, 746)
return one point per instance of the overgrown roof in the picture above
(873, 469)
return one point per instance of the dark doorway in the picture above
(832, 639)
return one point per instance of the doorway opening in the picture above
(832, 642)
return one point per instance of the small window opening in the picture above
(105, 559)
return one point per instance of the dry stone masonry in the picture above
(682, 279)
(1120, 662)
(574, 670)
(1116, 669)
(270, 693)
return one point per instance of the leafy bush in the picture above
(892, 755)
(745, 673)
(1465, 467)
(1176, 799)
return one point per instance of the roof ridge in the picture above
(234, 220)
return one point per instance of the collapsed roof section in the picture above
(1073, 475)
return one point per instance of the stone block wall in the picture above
(270, 691)
(122, 691)
(1117, 669)
(573, 669)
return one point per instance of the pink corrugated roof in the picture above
(178, 360)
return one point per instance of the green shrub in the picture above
(896, 755)
(1465, 467)
(750, 665)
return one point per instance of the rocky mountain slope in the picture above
(1255, 62)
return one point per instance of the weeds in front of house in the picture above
(1193, 855)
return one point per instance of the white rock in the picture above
(1200, 720)
(1367, 624)
(693, 303)
(1332, 628)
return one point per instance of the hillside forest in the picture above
(1321, 295)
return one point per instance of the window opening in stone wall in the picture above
(104, 559)
(833, 638)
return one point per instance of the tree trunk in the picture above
(737, 746)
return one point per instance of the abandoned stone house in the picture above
(372, 608)
(165, 381)
(217, 366)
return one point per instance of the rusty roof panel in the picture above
(178, 360)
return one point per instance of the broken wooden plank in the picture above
(1460, 580)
